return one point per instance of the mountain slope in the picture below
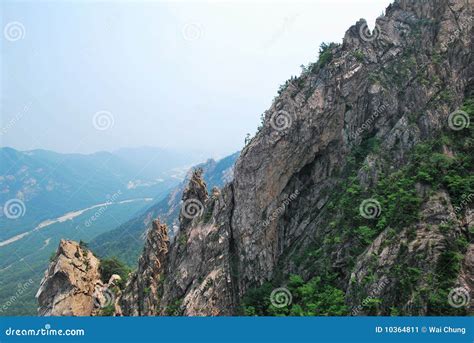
(126, 241)
(46, 196)
(355, 196)
(48, 184)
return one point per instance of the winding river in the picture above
(65, 217)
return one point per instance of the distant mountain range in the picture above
(127, 240)
(354, 198)
(148, 162)
(49, 184)
(46, 196)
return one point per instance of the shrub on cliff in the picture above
(111, 266)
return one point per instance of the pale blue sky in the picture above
(185, 75)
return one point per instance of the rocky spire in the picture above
(194, 199)
(71, 283)
(142, 293)
(398, 86)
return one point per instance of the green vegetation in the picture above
(403, 70)
(359, 55)
(443, 163)
(36, 251)
(111, 266)
(183, 238)
(175, 308)
(118, 242)
(443, 281)
(107, 311)
(456, 175)
(326, 54)
(83, 245)
(284, 86)
(313, 298)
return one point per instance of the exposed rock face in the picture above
(115, 243)
(143, 291)
(200, 249)
(385, 254)
(71, 284)
(371, 87)
(326, 112)
(466, 275)
(398, 87)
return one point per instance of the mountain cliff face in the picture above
(72, 284)
(118, 242)
(141, 295)
(355, 196)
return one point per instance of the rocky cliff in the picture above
(116, 243)
(355, 196)
(72, 285)
(141, 296)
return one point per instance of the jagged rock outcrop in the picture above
(328, 107)
(200, 249)
(386, 254)
(373, 86)
(71, 283)
(141, 296)
(346, 129)
(164, 282)
(116, 243)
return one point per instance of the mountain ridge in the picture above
(114, 243)
(336, 206)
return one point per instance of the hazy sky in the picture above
(185, 75)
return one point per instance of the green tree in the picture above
(111, 266)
